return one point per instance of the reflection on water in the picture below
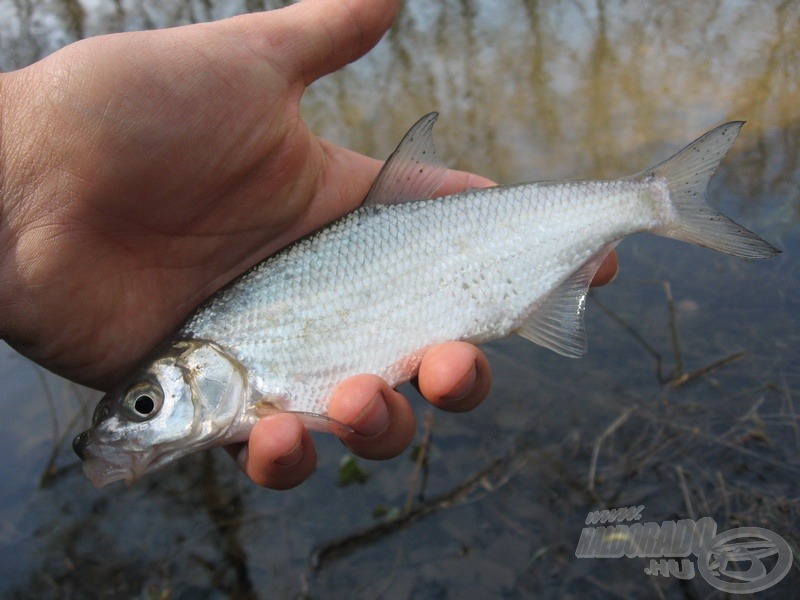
(527, 90)
(597, 81)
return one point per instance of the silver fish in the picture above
(371, 291)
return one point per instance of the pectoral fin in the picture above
(312, 421)
(323, 423)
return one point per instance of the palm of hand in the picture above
(178, 168)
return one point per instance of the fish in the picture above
(370, 292)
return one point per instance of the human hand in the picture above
(143, 171)
(139, 172)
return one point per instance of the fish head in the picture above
(189, 398)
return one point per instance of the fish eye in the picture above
(144, 405)
(143, 401)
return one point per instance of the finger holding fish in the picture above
(454, 377)
(280, 454)
(607, 271)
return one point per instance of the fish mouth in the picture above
(101, 472)
(104, 464)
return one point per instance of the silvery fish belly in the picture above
(370, 292)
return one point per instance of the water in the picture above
(527, 91)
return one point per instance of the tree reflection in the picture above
(528, 89)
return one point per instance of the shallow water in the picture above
(527, 90)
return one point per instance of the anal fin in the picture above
(557, 323)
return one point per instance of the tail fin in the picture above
(687, 174)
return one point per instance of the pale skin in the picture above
(140, 172)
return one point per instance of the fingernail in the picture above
(374, 419)
(464, 387)
(292, 457)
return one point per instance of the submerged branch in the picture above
(616, 424)
(655, 354)
(678, 377)
(687, 377)
(490, 478)
(419, 478)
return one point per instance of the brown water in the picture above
(527, 90)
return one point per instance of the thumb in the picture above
(312, 38)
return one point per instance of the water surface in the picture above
(527, 90)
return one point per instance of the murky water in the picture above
(527, 90)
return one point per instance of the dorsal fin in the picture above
(557, 323)
(413, 171)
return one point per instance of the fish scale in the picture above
(372, 291)
(498, 261)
